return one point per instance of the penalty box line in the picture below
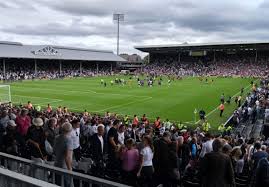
(50, 100)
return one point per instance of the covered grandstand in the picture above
(211, 50)
(14, 53)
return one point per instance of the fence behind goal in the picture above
(5, 95)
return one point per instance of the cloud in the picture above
(89, 22)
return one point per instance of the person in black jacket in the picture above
(98, 149)
(165, 160)
(216, 167)
(262, 173)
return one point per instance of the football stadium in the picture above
(183, 115)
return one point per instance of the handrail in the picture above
(14, 176)
(61, 171)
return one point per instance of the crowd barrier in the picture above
(50, 174)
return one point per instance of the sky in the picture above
(89, 23)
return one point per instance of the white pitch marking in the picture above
(212, 111)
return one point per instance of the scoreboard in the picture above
(197, 53)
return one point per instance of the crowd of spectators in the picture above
(137, 151)
(16, 72)
(222, 66)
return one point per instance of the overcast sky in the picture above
(88, 23)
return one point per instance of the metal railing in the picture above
(51, 174)
(12, 179)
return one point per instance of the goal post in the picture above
(5, 95)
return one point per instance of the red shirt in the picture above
(135, 121)
(23, 123)
(30, 106)
(49, 109)
(157, 124)
(221, 107)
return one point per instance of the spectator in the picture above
(63, 148)
(258, 155)
(130, 162)
(121, 134)
(12, 140)
(23, 122)
(36, 139)
(216, 167)
(98, 149)
(207, 146)
(145, 171)
(50, 130)
(113, 145)
(75, 134)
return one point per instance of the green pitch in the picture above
(176, 102)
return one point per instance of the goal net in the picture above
(5, 95)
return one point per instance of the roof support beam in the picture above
(4, 67)
(256, 56)
(60, 67)
(80, 67)
(35, 67)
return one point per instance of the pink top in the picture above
(23, 123)
(130, 159)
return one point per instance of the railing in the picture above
(12, 179)
(52, 174)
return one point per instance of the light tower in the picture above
(118, 18)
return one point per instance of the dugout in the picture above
(14, 54)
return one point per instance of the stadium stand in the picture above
(81, 149)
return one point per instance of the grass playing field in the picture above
(176, 102)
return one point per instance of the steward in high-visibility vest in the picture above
(180, 126)
(206, 126)
(228, 130)
(221, 128)
(167, 124)
(38, 108)
(126, 120)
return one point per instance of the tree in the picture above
(146, 59)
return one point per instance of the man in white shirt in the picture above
(121, 134)
(207, 146)
(75, 133)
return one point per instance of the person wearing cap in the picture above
(35, 139)
(12, 140)
(23, 122)
(63, 149)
